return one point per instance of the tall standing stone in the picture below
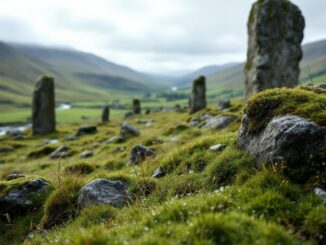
(136, 108)
(198, 97)
(43, 108)
(105, 114)
(275, 30)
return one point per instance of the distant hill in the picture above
(78, 75)
(230, 82)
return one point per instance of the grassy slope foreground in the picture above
(205, 198)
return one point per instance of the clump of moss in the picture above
(61, 205)
(306, 102)
(95, 214)
(315, 224)
(79, 169)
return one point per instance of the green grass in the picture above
(204, 198)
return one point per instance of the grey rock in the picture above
(87, 154)
(224, 104)
(20, 197)
(71, 137)
(197, 100)
(158, 173)
(321, 193)
(275, 30)
(43, 107)
(105, 114)
(136, 108)
(86, 130)
(128, 130)
(14, 176)
(15, 134)
(114, 139)
(217, 148)
(6, 149)
(290, 140)
(139, 153)
(103, 191)
(194, 123)
(61, 152)
(129, 114)
(322, 86)
(218, 122)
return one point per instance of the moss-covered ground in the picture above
(205, 198)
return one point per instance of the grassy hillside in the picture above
(205, 197)
(79, 76)
(313, 67)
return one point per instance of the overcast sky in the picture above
(148, 35)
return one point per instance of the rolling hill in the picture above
(230, 81)
(79, 76)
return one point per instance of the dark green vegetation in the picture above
(205, 198)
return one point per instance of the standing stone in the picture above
(198, 97)
(275, 30)
(136, 108)
(105, 114)
(43, 108)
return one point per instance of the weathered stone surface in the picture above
(323, 86)
(218, 122)
(14, 176)
(105, 114)
(87, 154)
(136, 108)
(275, 30)
(103, 191)
(43, 108)
(224, 104)
(139, 153)
(15, 134)
(158, 173)
(61, 152)
(289, 140)
(20, 197)
(197, 100)
(86, 130)
(217, 148)
(114, 139)
(321, 193)
(128, 130)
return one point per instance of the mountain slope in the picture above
(79, 76)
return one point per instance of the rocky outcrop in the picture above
(86, 130)
(21, 198)
(139, 153)
(218, 122)
(290, 140)
(43, 107)
(275, 30)
(61, 152)
(103, 191)
(198, 96)
(128, 130)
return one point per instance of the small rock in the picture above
(217, 148)
(71, 137)
(321, 193)
(51, 141)
(224, 104)
(206, 117)
(86, 130)
(129, 114)
(194, 123)
(86, 154)
(61, 152)
(323, 86)
(15, 134)
(219, 122)
(127, 130)
(14, 176)
(158, 173)
(139, 153)
(114, 139)
(6, 149)
(20, 198)
(103, 191)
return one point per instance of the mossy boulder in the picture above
(273, 133)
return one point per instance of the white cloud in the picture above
(149, 35)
